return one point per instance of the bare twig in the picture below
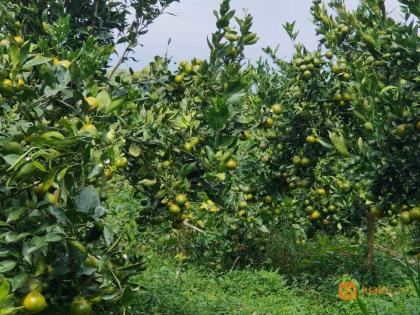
(129, 45)
(114, 244)
(234, 263)
(117, 280)
(95, 12)
(392, 253)
(193, 227)
(120, 61)
(135, 26)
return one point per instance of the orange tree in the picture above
(190, 149)
(239, 150)
(347, 136)
(56, 152)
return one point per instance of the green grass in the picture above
(297, 279)
(178, 288)
(172, 287)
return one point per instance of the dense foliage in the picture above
(318, 142)
(54, 87)
(220, 152)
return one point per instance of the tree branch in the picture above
(193, 227)
(95, 12)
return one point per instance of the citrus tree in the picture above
(190, 149)
(233, 151)
(348, 132)
(57, 253)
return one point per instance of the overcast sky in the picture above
(193, 21)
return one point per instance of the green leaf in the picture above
(37, 60)
(19, 281)
(388, 88)
(99, 212)
(360, 144)
(11, 237)
(11, 159)
(15, 214)
(128, 295)
(235, 98)
(47, 154)
(26, 170)
(4, 224)
(88, 200)
(39, 166)
(7, 265)
(52, 135)
(31, 247)
(40, 266)
(227, 141)
(9, 310)
(96, 171)
(289, 28)
(263, 228)
(15, 54)
(62, 174)
(4, 289)
(4, 253)
(108, 234)
(104, 99)
(339, 143)
(324, 144)
(134, 150)
(49, 91)
(21, 158)
(115, 104)
(58, 214)
(148, 182)
(52, 237)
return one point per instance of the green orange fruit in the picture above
(121, 162)
(34, 302)
(335, 69)
(231, 164)
(174, 209)
(377, 212)
(329, 55)
(401, 130)
(415, 214)
(188, 147)
(179, 78)
(321, 191)
(81, 306)
(242, 204)
(277, 108)
(268, 123)
(405, 217)
(311, 139)
(268, 199)
(332, 208)
(315, 215)
(181, 199)
(305, 161)
(12, 148)
(307, 74)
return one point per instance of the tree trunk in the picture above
(370, 242)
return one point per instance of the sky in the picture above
(191, 21)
